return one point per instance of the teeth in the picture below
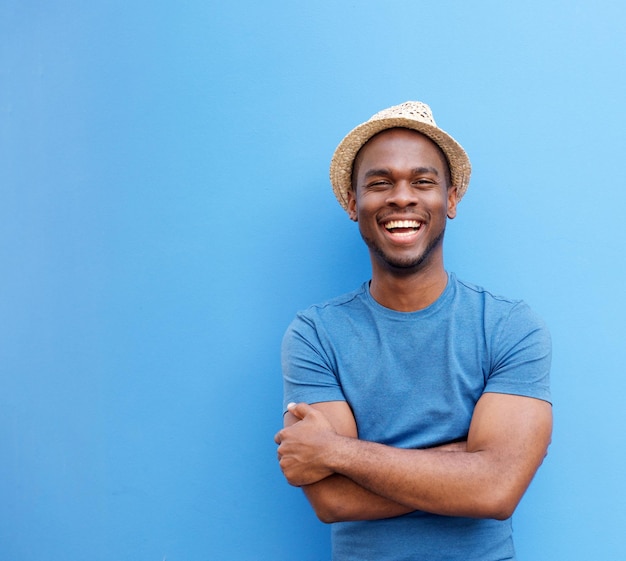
(402, 224)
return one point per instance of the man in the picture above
(417, 407)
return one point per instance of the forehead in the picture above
(399, 144)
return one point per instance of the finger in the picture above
(277, 438)
(300, 410)
(293, 409)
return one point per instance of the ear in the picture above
(452, 202)
(352, 213)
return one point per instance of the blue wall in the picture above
(165, 210)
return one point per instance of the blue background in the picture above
(165, 210)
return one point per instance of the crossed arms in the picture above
(345, 478)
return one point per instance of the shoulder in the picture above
(328, 315)
(468, 293)
(498, 313)
(477, 292)
(343, 304)
(319, 329)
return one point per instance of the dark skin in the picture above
(401, 201)
(400, 179)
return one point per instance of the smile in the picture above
(402, 227)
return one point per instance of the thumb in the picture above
(299, 410)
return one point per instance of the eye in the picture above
(424, 181)
(379, 184)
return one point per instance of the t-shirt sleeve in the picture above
(522, 355)
(308, 371)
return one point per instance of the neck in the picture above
(408, 292)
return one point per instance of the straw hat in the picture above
(410, 115)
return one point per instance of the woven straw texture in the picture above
(411, 115)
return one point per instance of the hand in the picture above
(305, 446)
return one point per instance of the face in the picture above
(401, 199)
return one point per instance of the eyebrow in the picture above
(385, 171)
(374, 172)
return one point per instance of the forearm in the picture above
(339, 499)
(354, 489)
(483, 478)
(507, 442)
(436, 481)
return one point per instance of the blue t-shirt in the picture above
(412, 380)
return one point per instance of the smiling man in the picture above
(417, 408)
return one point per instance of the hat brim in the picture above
(343, 158)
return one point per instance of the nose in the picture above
(402, 195)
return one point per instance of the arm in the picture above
(335, 497)
(508, 439)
